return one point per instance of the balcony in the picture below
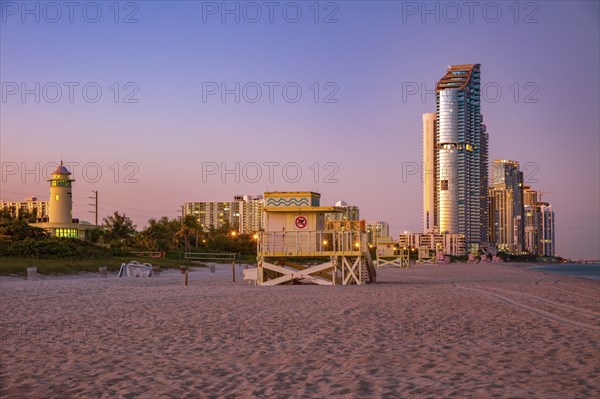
(311, 243)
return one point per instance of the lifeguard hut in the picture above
(295, 248)
(389, 253)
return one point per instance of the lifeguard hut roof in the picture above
(289, 193)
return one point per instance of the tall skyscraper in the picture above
(506, 197)
(531, 213)
(430, 223)
(547, 241)
(460, 156)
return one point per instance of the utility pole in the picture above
(95, 205)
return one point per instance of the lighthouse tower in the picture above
(60, 206)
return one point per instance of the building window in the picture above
(56, 197)
(444, 185)
(69, 233)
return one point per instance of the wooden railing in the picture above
(311, 243)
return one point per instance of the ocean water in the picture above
(573, 269)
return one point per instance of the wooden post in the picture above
(233, 270)
(186, 277)
(32, 273)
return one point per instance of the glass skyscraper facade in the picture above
(506, 195)
(461, 156)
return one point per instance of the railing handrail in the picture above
(314, 241)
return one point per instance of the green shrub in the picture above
(52, 248)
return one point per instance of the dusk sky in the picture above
(369, 62)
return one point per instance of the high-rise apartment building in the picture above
(460, 156)
(531, 222)
(37, 209)
(251, 213)
(244, 213)
(430, 223)
(547, 241)
(448, 244)
(349, 212)
(538, 225)
(376, 230)
(507, 210)
(214, 214)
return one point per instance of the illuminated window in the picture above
(56, 197)
(69, 233)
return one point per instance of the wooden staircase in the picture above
(368, 272)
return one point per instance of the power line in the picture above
(136, 200)
(136, 214)
(134, 209)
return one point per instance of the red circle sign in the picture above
(301, 222)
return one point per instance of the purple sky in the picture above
(540, 68)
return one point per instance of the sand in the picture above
(430, 331)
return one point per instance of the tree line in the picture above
(121, 235)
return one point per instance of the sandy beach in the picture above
(429, 331)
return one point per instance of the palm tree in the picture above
(189, 227)
(119, 228)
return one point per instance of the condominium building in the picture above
(213, 215)
(460, 156)
(449, 244)
(345, 225)
(244, 213)
(430, 223)
(31, 206)
(348, 212)
(376, 230)
(506, 228)
(539, 225)
(547, 240)
(251, 213)
(531, 221)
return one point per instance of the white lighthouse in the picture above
(60, 208)
(61, 198)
